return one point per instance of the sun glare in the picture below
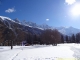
(76, 10)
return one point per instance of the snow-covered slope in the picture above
(34, 25)
(12, 24)
(68, 31)
(63, 30)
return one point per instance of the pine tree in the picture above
(73, 38)
(77, 37)
(35, 40)
(11, 44)
(67, 39)
(62, 39)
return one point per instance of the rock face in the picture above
(15, 32)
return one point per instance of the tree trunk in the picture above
(11, 44)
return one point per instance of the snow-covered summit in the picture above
(6, 18)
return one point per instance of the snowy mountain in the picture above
(63, 30)
(9, 23)
(68, 31)
(13, 30)
(34, 25)
(16, 24)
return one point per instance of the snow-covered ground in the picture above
(38, 52)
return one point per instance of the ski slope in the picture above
(41, 52)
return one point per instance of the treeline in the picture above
(46, 37)
(54, 37)
(26, 38)
(71, 39)
(9, 38)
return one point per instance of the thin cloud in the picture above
(70, 2)
(10, 10)
(47, 19)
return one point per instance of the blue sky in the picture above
(55, 13)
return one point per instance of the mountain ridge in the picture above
(64, 30)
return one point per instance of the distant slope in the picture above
(68, 31)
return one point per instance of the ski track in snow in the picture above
(15, 55)
(76, 52)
